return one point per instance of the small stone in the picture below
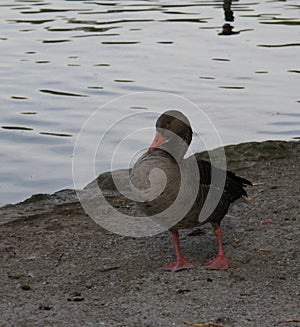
(238, 277)
(181, 291)
(44, 307)
(75, 297)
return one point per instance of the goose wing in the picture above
(231, 184)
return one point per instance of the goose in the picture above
(183, 193)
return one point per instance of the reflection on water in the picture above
(228, 13)
(279, 45)
(60, 93)
(62, 60)
(227, 29)
(20, 128)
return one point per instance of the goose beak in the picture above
(158, 140)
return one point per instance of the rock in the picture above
(240, 156)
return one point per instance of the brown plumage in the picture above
(184, 193)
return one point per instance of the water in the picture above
(60, 61)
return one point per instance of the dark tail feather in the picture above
(234, 185)
(239, 179)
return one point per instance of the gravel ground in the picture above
(59, 268)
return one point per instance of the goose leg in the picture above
(220, 262)
(181, 262)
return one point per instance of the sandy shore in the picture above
(59, 268)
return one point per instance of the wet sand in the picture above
(59, 268)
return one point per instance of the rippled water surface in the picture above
(60, 61)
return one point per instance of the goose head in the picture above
(173, 134)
